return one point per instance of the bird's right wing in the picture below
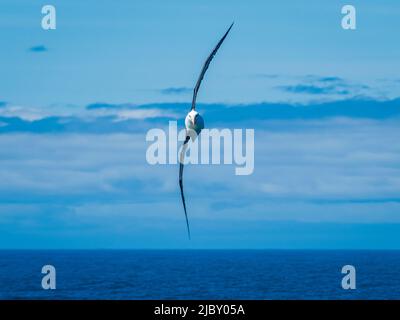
(205, 67)
(181, 164)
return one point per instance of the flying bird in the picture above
(194, 122)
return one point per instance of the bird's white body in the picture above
(194, 121)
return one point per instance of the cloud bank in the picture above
(83, 174)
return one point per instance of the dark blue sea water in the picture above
(200, 274)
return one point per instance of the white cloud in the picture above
(143, 114)
(25, 113)
(30, 114)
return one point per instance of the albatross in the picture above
(194, 122)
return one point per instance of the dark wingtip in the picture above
(183, 202)
(230, 27)
(187, 225)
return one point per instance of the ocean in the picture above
(199, 274)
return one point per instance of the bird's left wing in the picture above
(181, 164)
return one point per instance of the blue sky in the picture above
(76, 103)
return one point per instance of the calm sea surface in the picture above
(199, 274)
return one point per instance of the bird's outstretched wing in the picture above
(205, 67)
(181, 164)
